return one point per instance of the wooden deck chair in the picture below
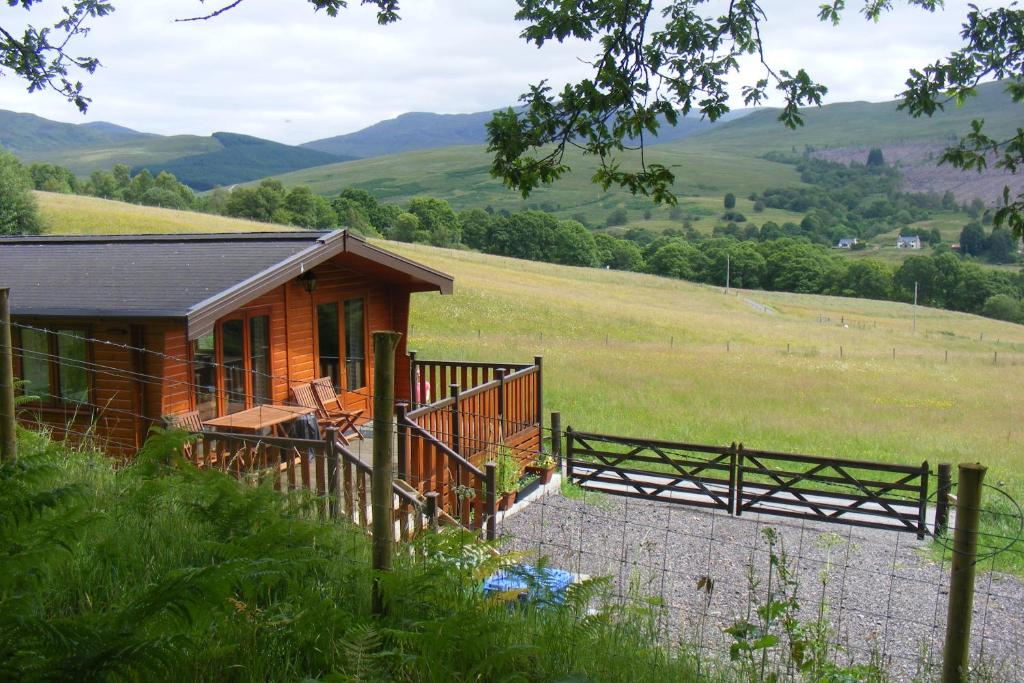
(188, 422)
(303, 395)
(330, 402)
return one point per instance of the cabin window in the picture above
(55, 365)
(259, 358)
(233, 363)
(328, 342)
(341, 329)
(245, 359)
(355, 345)
(204, 372)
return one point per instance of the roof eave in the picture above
(202, 317)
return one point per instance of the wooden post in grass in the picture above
(942, 498)
(556, 438)
(383, 474)
(8, 433)
(333, 471)
(956, 654)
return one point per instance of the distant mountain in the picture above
(421, 130)
(406, 133)
(28, 134)
(114, 130)
(240, 158)
(865, 124)
(202, 162)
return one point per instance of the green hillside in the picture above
(461, 175)
(135, 153)
(240, 158)
(28, 134)
(656, 357)
(682, 361)
(860, 124)
(68, 214)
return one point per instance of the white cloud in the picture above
(278, 70)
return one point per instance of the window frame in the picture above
(245, 315)
(54, 400)
(339, 299)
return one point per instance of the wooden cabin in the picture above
(114, 332)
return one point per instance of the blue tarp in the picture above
(531, 583)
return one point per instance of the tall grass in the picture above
(165, 572)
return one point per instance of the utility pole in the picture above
(728, 266)
(915, 306)
(383, 474)
(8, 433)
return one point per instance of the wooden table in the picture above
(260, 417)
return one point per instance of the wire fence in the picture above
(719, 584)
(864, 596)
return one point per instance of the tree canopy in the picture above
(655, 62)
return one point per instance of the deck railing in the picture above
(445, 445)
(339, 479)
(430, 381)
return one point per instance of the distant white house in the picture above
(908, 242)
(846, 243)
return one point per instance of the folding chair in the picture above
(330, 403)
(303, 395)
(190, 423)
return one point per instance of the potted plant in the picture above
(543, 466)
(507, 476)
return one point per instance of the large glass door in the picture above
(341, 342)
(231, 369)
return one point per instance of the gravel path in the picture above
(885, 597)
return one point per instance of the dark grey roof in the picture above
(196, 277)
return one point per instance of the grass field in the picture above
(68, 214)
(462, 176)
(687, 362)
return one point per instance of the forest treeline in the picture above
(838, 202)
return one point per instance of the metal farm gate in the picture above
(738, 481)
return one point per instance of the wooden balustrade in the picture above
(443, 446)
(339, 479)
(464, 490)
(430, 381)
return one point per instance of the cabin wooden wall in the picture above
(134, 389)
(113, 419)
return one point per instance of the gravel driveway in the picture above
(886, 598)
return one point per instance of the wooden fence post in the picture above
(383, 474)
(556, 438)
(413, 384)
(501, 405)
(8, 430)
(456, 445)
(922, 504)
(431, 511)
(956, 654)
(568, 452)
(539, 362)
(333, 494)
(491, 499)
(945, 484)
(402, 441)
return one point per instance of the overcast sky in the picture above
(276, 69)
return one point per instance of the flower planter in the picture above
(505, 501)
(543, 473)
